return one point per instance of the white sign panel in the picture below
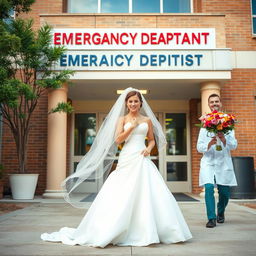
(146, 60)
(135, 38)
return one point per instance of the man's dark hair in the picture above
(214, 95)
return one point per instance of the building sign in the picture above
(92, 39)
(140, 49)
(145, 60)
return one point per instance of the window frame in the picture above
(130, 7)
(253, 17)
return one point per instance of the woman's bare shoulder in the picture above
(145, 119)
(121, 119)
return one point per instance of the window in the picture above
(129, 6)
(254, 17)
(85, 132)
(177, 171)
(83, 6)
(176, 148)
(114, 6)
(175, 128)
(176, 6)
(146, 6)
(12, 16)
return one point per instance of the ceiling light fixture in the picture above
(141, 91)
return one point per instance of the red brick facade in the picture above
(238, 96)
(37, 148)
(232, 22)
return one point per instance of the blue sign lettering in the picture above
(63, 60)
(124, 60)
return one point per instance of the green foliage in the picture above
(62, 107)
(27, 59)
(6, 6)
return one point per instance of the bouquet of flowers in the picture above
(216, 122)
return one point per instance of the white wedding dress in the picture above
(133, 208)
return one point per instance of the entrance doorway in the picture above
(173, 162)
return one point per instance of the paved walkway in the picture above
(20, 232)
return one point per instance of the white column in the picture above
(57, 145)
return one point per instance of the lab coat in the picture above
(216, 164)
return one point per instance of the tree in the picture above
(17, 6)
(26, 73)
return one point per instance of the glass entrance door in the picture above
(177, 157)
(85, 127)
(173, 162)
(84, 131)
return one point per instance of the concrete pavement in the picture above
(20, 232)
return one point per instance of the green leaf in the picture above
(62, 107)
(19, 6)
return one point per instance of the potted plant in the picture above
(27, 58)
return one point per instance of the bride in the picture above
(134, 206)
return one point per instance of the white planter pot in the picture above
(23, 186)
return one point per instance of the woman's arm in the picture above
(121, 134)
(151, 139)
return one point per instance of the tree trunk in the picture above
(21, 146)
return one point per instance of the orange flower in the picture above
(219, 127)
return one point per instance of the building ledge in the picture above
(130, 14)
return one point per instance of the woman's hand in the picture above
(134, 122)
(145, 152)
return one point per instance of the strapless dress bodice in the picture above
(136, 140)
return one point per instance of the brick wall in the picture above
(37, 148)
(238, 97)
(237, 22)
(195, 156)
(197, 4)
(233, 30)
(43, 6)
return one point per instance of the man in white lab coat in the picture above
(216, 167)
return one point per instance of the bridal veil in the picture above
(99, 160)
